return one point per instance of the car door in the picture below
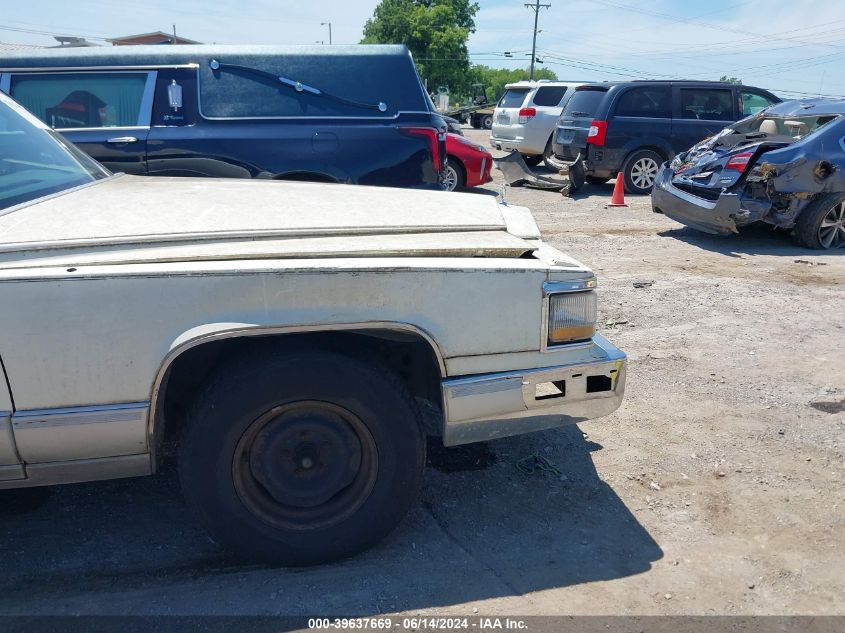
(10, 464)
(104, 113)
(700, 113)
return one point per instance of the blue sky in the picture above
(782, 45)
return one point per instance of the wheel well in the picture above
(408, 354)
(306, 176)
(654, 148)
(460, 165)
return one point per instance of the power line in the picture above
(49, 33)
(536, 8)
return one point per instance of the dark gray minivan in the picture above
(632, 127)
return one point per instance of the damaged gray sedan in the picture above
(783, 166)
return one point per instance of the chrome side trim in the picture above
(555, 287)
(75, 471)
(207, 235)
(489, 406)
(75, 433)
(229, 333)
(10, 466)
(42, 418)
(145, 114)
(128, 128)
(11, 473)
(74, 69)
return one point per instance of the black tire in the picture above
(532, 160)
(597, 180)
(487, 121)
(356, 455)
(640, 171)
(454, 177)
(549, 153)
(821, 224)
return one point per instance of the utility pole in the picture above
(330, 30)
(536, 7)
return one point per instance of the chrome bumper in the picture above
(489, 406)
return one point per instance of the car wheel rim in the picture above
(644, 172)
(305, 465)
(832, 227)
(450, 178)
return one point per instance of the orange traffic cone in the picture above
(618, 197)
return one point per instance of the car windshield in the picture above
(35, 161)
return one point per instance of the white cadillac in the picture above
(282, 338)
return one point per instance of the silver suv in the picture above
(526, 115)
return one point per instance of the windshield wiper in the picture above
(296, 85)
(580, 114)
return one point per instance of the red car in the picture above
(468, 164)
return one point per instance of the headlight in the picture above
(572, 316)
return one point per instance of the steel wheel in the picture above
(305, 465)
(643, 172)
(297, 455)
(832, 227)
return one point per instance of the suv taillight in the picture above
(597, 133)
(434, 138)
(739, 162)
(526, 113)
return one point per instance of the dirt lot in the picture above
(717, 488)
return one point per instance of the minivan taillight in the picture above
(434, 138)
(739, 162)
(527, 113)
(597, 133)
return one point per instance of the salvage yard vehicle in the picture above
(284, 337)
(468, 164)
(631, 127)
(270, 112)
(782, 166)
(525, 117)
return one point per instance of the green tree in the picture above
(495, 78)
(730, 80)
(435, 31)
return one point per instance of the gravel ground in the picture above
(717, 488)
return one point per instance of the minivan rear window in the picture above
(513, 98)
(584, 103)
(549, 95)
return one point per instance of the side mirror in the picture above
(174, 95)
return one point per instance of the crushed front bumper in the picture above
(488, 406)
(717, 217)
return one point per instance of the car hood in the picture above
(139, 219)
